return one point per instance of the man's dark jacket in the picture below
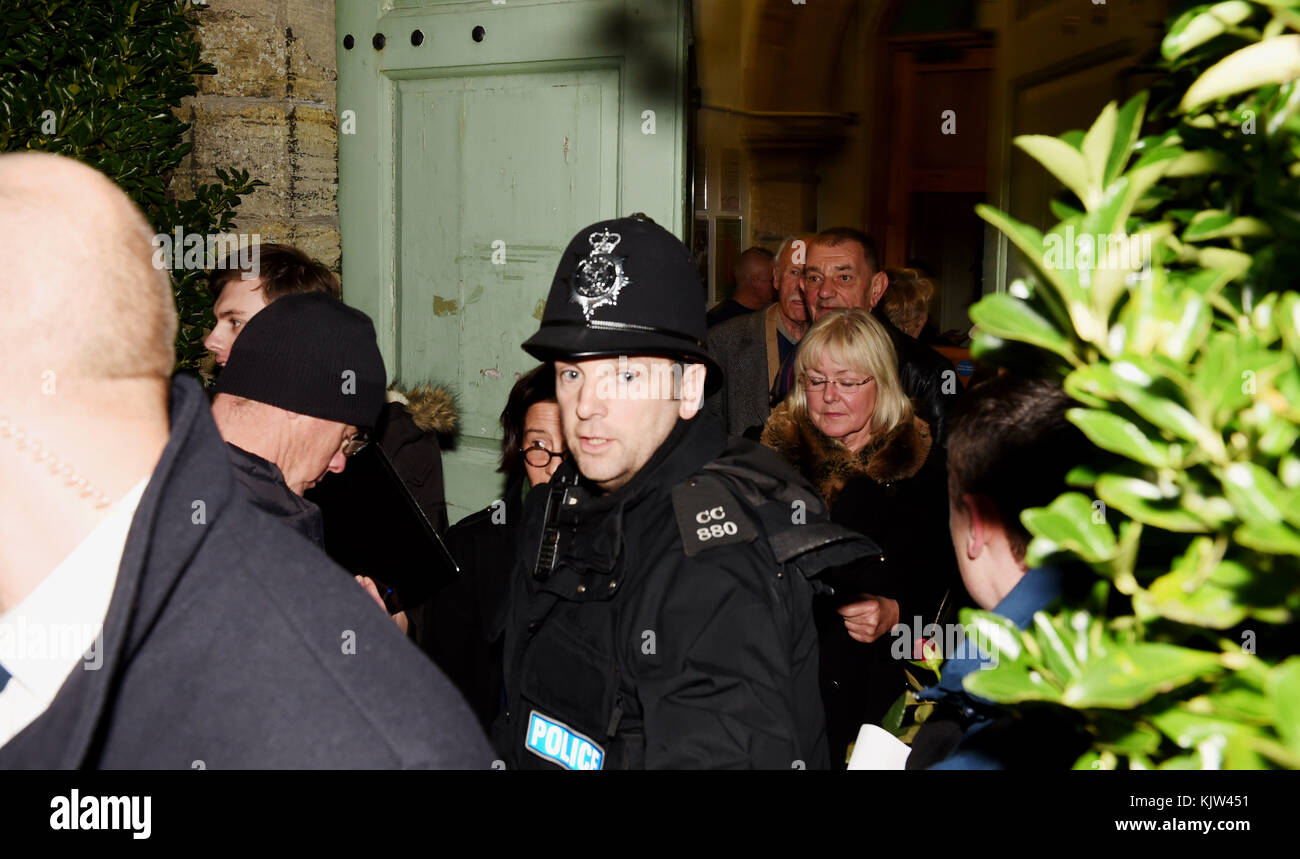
(264, 483)
(662, 640)
(231, 642)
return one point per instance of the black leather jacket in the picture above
(925, 376)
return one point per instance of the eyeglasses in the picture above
(538, 456)
(353, 445)
(845, 386)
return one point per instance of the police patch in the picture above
(558, 743)
(708, 516)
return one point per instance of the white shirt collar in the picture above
(44, 637)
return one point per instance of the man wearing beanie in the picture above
(661, 609)
(303, 383)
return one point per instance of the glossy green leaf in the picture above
(1128, 125)
(1112, 432)
(1066, 163)
(1032, 245)
(1013, 319)
(1097, 144)
(1141, 500)
(1200, 24)
(1283, 689)
(1272, 61)
(1149, 396)
(1259, 497)
(1072, 524)
(1186, 595)
(1189, 730)
(1222, 225)
(1273, 538)
(1128, 676)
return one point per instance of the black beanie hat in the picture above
(311, 354)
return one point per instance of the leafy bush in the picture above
(1163, 300)
(98, 82)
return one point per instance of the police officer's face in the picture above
(839, 276)
(616, 412)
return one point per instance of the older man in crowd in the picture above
(751, 348)
(842, 271)
(216, 637)
(302, 384)
(754, 291)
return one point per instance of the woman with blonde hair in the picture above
(848, 427)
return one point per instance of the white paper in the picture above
(877, 749)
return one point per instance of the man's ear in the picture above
(692, 390)
(879, 283)
(980, 533)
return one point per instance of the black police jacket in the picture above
(674, 627)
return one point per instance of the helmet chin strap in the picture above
(59, 469)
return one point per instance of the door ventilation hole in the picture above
(479, 33)
(348, 42)
(417, 37)
(379, 41)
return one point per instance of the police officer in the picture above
(660, 615)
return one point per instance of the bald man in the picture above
(150, 616)
(754, 290)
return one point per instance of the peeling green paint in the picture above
(443, 307)
(537, 311)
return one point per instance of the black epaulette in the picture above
(709, 516)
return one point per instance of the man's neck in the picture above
(47, 516)
(747, 297)
(792, 330)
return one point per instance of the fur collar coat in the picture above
(897, 455)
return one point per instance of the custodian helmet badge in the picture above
(625, 286)
(600, 276)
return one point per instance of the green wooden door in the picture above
(466, 163)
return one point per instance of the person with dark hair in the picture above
(754, 290)
(241, 290)
(1010, 448)
(843, 271)
(459, 628)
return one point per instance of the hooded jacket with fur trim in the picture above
(895, 492)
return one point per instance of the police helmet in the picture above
(625, 287)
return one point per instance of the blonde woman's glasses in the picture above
(845, 386)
